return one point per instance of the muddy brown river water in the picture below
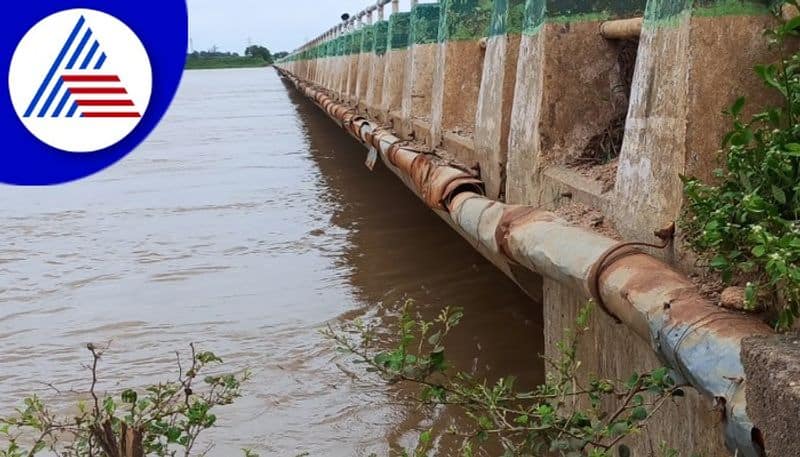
(245, 223)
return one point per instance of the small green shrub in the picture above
(545, 421)
(162, 420)
(747, 226)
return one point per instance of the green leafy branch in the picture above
(561, 416)
(165, 419)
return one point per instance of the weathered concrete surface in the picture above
(354, 55)
(375, 86)
(716, 81)
(456, 85)
(773, 395)
(496, 99)
(340, 80)
(395, 74)
(493, 114)
(418, 87)
(653, 152)
(524, 147)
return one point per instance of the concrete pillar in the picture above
(418, 85)
(327, 59)
(354, 54)
(317, 62)
(457, 75)
(570, 98)
(310, 63)
(323, 61)
(327, 77)
(695, 59)
(343, 65)
(304, 62)
(364, 62)
(376, 74)
(395, 73)
(330, 53)
(301, 55)
(493, 117)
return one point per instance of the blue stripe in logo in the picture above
(52, 96)
(79, 50)
(56, 64)
(89, 56)
(61, 104)
(100, 61)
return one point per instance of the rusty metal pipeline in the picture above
(698, 340)
(622, 29)
(434, 180)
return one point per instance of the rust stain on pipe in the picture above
(515, 216)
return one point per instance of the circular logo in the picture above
(80, 80)
(88, 81)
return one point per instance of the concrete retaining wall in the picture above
(526, 92)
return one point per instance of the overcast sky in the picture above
(280, 25)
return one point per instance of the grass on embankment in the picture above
(209, 63)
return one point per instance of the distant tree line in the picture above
(254, 56)
(254, 51)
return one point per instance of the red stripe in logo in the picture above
(90, 78)
(98, 90)
(117, 115)
(104, 102)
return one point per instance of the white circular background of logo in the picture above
(39, 48)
